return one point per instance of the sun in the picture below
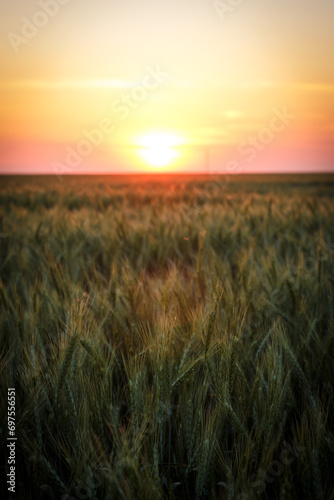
(158, 156)
(157, 149)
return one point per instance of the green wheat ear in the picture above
(65, 366)
(232, 365)
(209, 331)
(4, 296)
(211, 322)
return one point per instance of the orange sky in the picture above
(133, 86)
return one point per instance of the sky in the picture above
(129, 86)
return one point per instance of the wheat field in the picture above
(169, 338)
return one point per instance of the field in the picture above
(168, 337)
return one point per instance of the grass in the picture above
(165, 344)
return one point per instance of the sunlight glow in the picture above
(158, 148)
(158, 156)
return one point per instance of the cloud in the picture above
(181, 84)
(68, 84)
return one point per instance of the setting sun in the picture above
(158, 148)
(158, 156)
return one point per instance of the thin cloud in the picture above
(68, 84)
